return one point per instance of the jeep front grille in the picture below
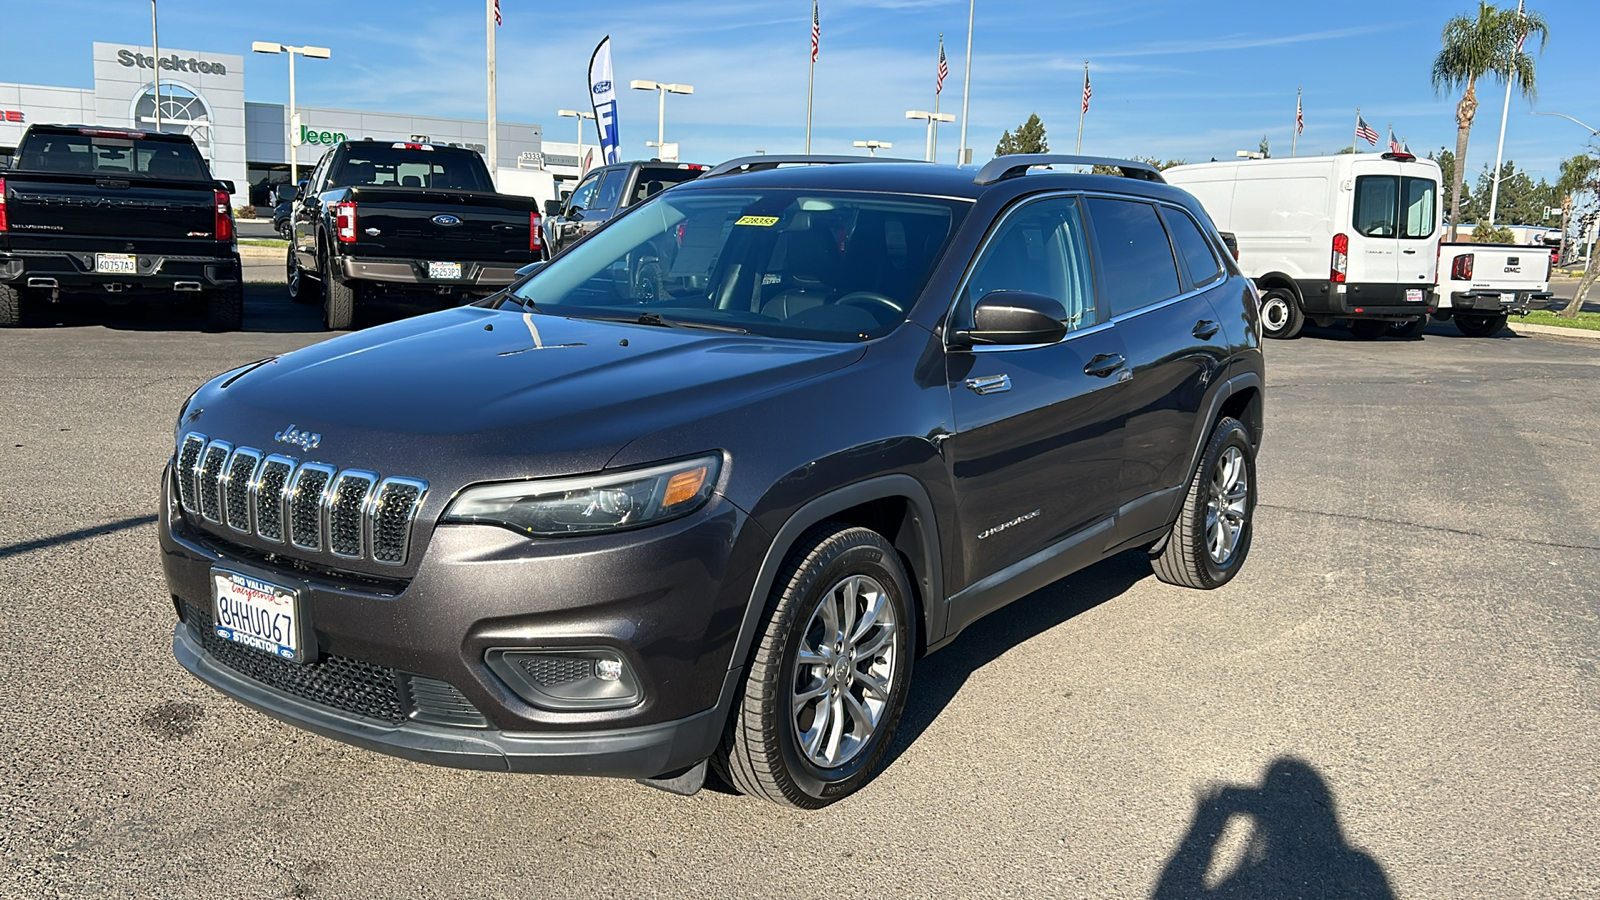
(312, 506)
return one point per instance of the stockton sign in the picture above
(171, 63)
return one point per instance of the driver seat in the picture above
(807, 261)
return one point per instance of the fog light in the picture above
(567, 678)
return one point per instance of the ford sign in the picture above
(447, 221)
(600, 87)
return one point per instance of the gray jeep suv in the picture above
(589, 527)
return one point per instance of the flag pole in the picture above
(494, 154)
(1082, 107)
(1294, 142)
(811, 78)
(966, 87)
(155, 48)
(1355, 136)
(1500, 151)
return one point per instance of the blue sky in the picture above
(1170, 79)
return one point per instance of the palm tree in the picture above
(1490, 44)
(1578, 174)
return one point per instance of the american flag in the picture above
(944, 68)
(1087, 93)
(1366, 132)
(1394, 145)
(816, 31)
(1299, 117)
(497, 19)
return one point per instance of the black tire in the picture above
(338, 301)
(10, 306)
(301, 288)
(1480, 326)
(761, 753)
(1281, 316)
(1368, 329)
(1186, 558)
(1408, 330)
(225, 309)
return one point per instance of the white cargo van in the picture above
(1354, 236)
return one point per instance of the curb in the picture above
(1555, 331)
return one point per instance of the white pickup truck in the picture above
(1481, 284)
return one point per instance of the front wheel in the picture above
(1211, 538)
(829, 676)
(1480, 326)
(1281, 317)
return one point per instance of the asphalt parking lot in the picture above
(1400, 696)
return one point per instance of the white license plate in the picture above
(255, 613)
(1413, 295)
(444, 270)
(115, 264)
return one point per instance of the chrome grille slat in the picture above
(314, 507)
(189, 453)
(267, 496)
(241, 475)
(347, 512)
(209, 481)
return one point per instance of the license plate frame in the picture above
(116, 264)
(444, 271)
(262, 606)
(1415, 295)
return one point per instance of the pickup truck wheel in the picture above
(1281, 317)
(10, 306)
(1408, 330)
(225, 309)
(1211, 537)
(829, 676)
(1368, 329)
(1480, 326)
(301, 288)
(338, 302)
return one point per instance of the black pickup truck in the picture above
(376, 217)
(607, 191)
(118, 213)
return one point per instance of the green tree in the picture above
(1160, 165)
(1265, 148)
(1475, 48)
(1447, 172)
(1579, 175)
(1522, 202)
(1029, 138)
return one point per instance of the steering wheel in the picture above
(869, 298)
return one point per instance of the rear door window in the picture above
(1197, 252)
(1419, 210)
(1377, 204)
(610, 189)
(1137, 267)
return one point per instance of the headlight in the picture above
(591, 504)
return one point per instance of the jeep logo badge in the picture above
(305, 440)
(447, 221)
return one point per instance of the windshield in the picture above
(98, 155)
(384, 165)
(810, 265)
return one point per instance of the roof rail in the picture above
(767, 163)
(1003, 167)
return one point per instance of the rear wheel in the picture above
(338, 301)
(1408, 330)
(1480, 326)
(1211, 538)
(10, 306)
(829, 675)
(1281, 317)
(225, 309)
(1368, 329)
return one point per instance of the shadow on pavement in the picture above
(267, 309)
(69, 537)
(1279, 840)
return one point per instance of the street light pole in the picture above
(580, 115)
(155, 48)
(294, 136)
(966, 87)
(932, 118)
(1592, 131)
(662, 90)
(873, 146)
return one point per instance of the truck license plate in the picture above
(1413, 295)
(115, 264)
(444, 270)
(255, 613)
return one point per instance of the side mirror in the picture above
(284, 193)
(1014, 318)
(552, 208)
(226, 187)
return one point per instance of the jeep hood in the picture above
(474, 394)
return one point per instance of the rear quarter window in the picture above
(1137, 267)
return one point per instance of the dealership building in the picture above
(203, 95)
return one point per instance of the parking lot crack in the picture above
(1438, 528)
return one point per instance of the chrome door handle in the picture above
(1205, 328)
(990, 384)
(1104, 364)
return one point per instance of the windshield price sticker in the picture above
(760, 221)
(255, 613)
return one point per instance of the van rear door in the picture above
(1394, 224)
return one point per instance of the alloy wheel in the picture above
(1227, 506)
(844, 670)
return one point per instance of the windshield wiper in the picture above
(650, 318)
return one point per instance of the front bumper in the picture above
(474, 275)
(75, 270)
(668, 598)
